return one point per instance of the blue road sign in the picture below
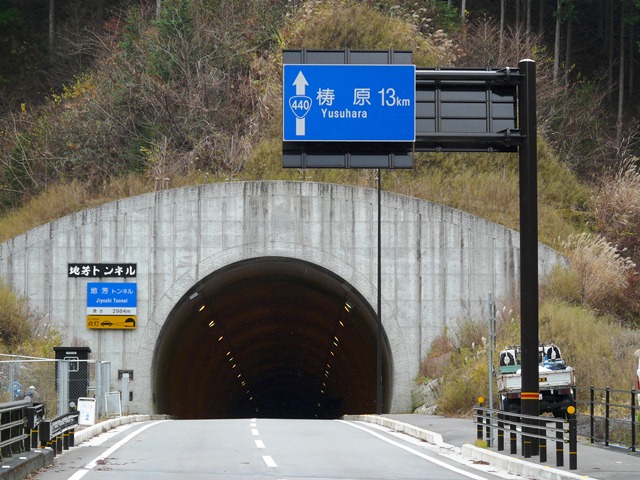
(111, 298)
(349, 103)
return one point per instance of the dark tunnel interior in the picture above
(270, 338)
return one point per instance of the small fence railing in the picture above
(13, 424)
(23, 427)
(58, 433)
(534, 433)
(613, 415)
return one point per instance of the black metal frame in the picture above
(630, 419)
(504, 131)
(59, 432)
(13, 428)
(492, 422)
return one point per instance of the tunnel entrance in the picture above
(272, 338)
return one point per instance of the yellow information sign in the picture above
(113, 322)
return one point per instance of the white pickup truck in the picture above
(556, 380)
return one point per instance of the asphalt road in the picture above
(260, 449)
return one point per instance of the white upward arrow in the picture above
(300, 82)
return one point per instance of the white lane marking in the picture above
(126, 439)
(103, 437)
(89, 466)
(78, 475)
(416, 453)
(259, 444)
(269, 461)
(255, 432)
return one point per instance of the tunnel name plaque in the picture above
(112, 306)
(102, 270)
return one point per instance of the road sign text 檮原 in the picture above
(348, 103)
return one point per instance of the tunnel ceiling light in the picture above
(335, 343)
(336, 339)
(328, 366)
(202, 307)
(341, 323)
(348, 307)
(332, 354)
(234, 365)
(212, 323)
(231, 359)
(221, 337)
(239, 375)
(228, 353)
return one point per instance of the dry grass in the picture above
(601, 350)
(600, 270)
(616, 207)
(22, 331)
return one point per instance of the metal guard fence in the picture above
(23, 427)
(13, 428)
(611, 419)
(534, 433)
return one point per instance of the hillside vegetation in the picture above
(192, 95)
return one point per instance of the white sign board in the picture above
(86, 411)
(114, 407)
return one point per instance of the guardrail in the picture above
(13, 424)
(22, 427)
(35, 416)
(622, 416)
(58, 433)
(534, 432)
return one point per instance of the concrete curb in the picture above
(514, 465)
(517, 465)
(90, 432)
(21, 465)
(412, 430)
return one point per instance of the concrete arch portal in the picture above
(273, 264)
(272, 337)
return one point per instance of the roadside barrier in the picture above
(58, 434)
(13, 427)
(613, 415)
(35, 416)
(534, 433)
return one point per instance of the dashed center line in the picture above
(269, 461)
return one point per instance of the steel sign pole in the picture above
(379, 326)
(530, 403)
